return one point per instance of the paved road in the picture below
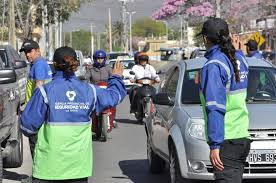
(120, 160)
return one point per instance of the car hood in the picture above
(262, 116)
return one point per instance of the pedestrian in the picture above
(223, 95)
(59, 112)
(252, 49)
(40, 73)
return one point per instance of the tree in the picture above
(117, 34)
(29, 12)
(145, 27)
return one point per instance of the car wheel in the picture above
(174, 167)
(156, 164)
(15, 157)
(1, 167)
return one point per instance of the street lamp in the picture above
(130, 13)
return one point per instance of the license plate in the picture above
(261, 156)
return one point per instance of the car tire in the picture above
(175, 173)
(1, 167)
(156, 164)
(15, 157)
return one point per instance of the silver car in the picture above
(175, 124)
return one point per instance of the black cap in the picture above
(28, 45)
(252, 45)
(61, 52)
(212, 28)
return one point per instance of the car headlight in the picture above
(197, 130)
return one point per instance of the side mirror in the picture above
(7, 76)
(163, 99)
(19, 64)
(159, 72)
(131, 72)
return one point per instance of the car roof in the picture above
(198, 63)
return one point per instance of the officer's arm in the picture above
(214, 91)
(41, 73)
(111, 96)
(34, 114)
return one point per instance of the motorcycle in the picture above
(145, 92)
(103, 123)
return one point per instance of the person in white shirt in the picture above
(142, 70)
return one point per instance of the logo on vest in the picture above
(71, 95)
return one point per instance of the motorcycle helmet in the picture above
(136, 57)
(99, 54)
(142, 56)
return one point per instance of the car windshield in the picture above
(261, 86)
(128, 64)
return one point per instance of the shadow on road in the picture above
(13, 176)
(128, 121)
(137, 171)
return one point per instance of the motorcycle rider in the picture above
(142, 69)
(100, 71)
(59, 112)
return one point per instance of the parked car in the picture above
(12, 60)
(128, 64)
(80, 73)
(198, 53)
(114, 55)
(175, 124)
(11, 152)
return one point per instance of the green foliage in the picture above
(146, 27)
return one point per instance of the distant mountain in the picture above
(97, 13)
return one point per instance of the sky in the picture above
(97, 13)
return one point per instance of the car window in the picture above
(171, 83)
(4, 58)
(261, 83)
(115, 55)
(128, 64)
(2, 65)
(190, 88)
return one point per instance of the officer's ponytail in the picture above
(228, 49)
(65, 59)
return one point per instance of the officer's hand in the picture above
(118, 68)
(215, 159)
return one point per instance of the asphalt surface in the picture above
(122, 159)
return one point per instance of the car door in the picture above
(163, 115)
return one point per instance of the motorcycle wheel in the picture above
(99, 127)
(105, 122)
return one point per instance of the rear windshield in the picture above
(115, 55)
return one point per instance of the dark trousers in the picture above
(32, 142)
(83, 180)
(132, 98)
(233, 155)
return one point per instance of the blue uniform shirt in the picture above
(256, 54)
(69, 100)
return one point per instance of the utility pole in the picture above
(3, 21)
(123, 11)
(181, 31)
(218, 10)
(12, 36)
(130, 13)
(92, 40)
(71, 44)
(110, 30)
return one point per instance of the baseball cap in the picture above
(61, 52)
(28, 45)
(252, 45)
(212, 27)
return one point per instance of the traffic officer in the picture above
(223, 95)
(40, 73)
(59, 112)
(252, 49)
